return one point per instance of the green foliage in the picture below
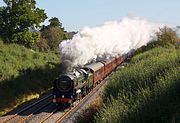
(42, 45)
(69, 35)
(24, 72)
(26, 38)
(15, 58)
(51, 36)
(18, 17)
(55, 22)
(167, 35)
(146, 91)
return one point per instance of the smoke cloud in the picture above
(110, 39)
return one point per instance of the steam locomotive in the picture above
(68, 88)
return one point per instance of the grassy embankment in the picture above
(24, 74)
(146, 91)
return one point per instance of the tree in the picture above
(51, 35)
(19, 16)
(54, 36)
(69, 35)
(167, 35)
(55, 22)
(42, 45)
(26, 38)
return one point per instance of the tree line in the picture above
(20, 22)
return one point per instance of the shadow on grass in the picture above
(165, 108)
(15, 91)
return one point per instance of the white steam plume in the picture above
(110, 39)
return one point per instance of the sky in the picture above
(76, 14)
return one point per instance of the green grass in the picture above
(24, 74)
(146, 91)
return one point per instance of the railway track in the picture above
(70, 112)
(54, 115)
(16, 118)
(66, 117)
(36, 104)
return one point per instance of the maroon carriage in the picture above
(98, 71)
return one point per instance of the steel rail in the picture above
(37, 110)
(60, 119)
(54, 111)
(26, 108)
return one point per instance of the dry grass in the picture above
(19, 101)
(86, 115)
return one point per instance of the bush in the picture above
(26, 38)
(146, 91)
(42, 45)
(166, 35)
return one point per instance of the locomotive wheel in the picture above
(71, 105)
(87, 90)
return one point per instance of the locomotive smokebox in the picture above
(64, 83)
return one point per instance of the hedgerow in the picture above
(146, 91)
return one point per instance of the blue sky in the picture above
(75, 14)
